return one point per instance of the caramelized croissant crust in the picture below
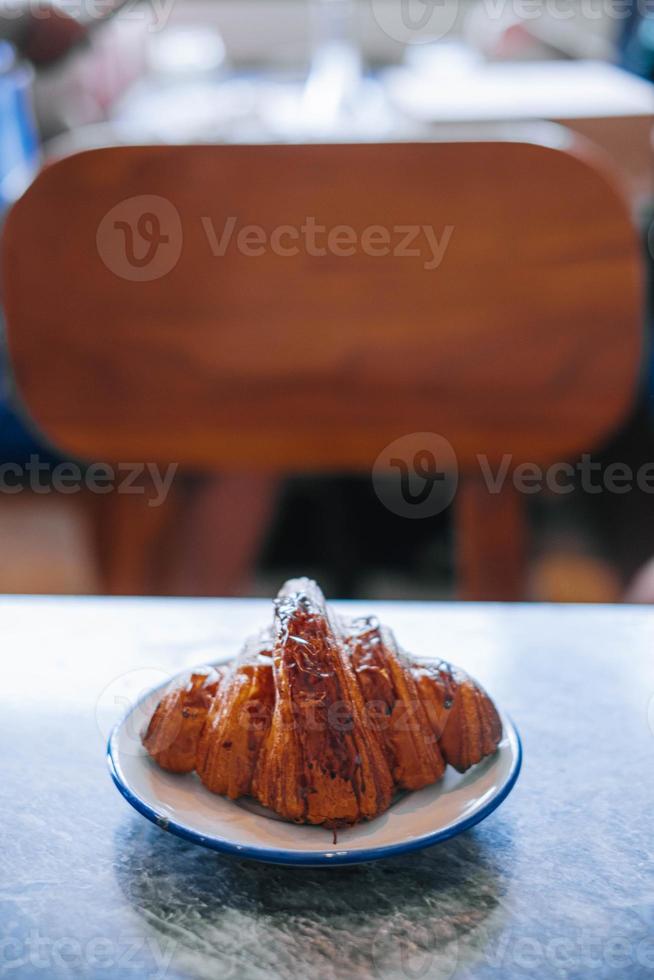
(391, 692)
(320, 762)
(321, 719)
(172, 736)
(238, 722)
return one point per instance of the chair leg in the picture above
(203, 540)
(490, 542)
(221, 532)
(130, 540)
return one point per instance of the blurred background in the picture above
(82, 75)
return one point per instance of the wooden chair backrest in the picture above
(521, 335)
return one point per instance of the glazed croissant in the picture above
(322, 719)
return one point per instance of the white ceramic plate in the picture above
(181, 805)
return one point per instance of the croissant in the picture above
(237, 723)
(320, 761)
(173, 733)
(322, 719)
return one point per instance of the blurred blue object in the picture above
(636, 43)
(19, 143)
(19, 159)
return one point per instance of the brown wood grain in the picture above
(525, 339)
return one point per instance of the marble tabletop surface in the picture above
(558, 882)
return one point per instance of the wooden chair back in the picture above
(296, 308)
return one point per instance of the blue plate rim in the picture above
(321, 858)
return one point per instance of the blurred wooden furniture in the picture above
(524, 340)
(595, 99)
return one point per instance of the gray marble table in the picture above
(558, 882)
